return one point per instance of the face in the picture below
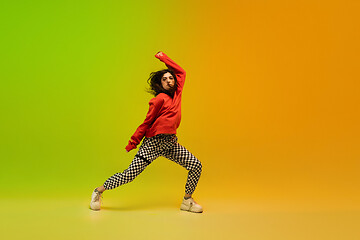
(167, 81)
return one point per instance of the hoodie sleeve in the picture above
(155, 105)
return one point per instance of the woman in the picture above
(159, 130)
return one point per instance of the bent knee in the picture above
(196, 166)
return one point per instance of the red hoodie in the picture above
(164, 113)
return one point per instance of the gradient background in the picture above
(270, 107)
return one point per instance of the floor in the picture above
(62, 218)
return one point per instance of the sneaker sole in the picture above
(190, 211)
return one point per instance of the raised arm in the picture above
(179, 72)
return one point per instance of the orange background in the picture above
(272, 98)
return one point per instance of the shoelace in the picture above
(98, 196)
(192, 201)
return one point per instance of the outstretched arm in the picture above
(154, 107)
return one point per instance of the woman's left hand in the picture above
(159, 54)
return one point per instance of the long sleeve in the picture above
(155, 105)
(179, 72)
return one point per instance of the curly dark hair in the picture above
(155, 83)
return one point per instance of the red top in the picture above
(164, 113)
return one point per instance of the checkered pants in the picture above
(150, 149)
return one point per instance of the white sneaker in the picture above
(95, 200)
(191, 206)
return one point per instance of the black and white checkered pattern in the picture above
(153, 147)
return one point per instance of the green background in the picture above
(73, 88)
